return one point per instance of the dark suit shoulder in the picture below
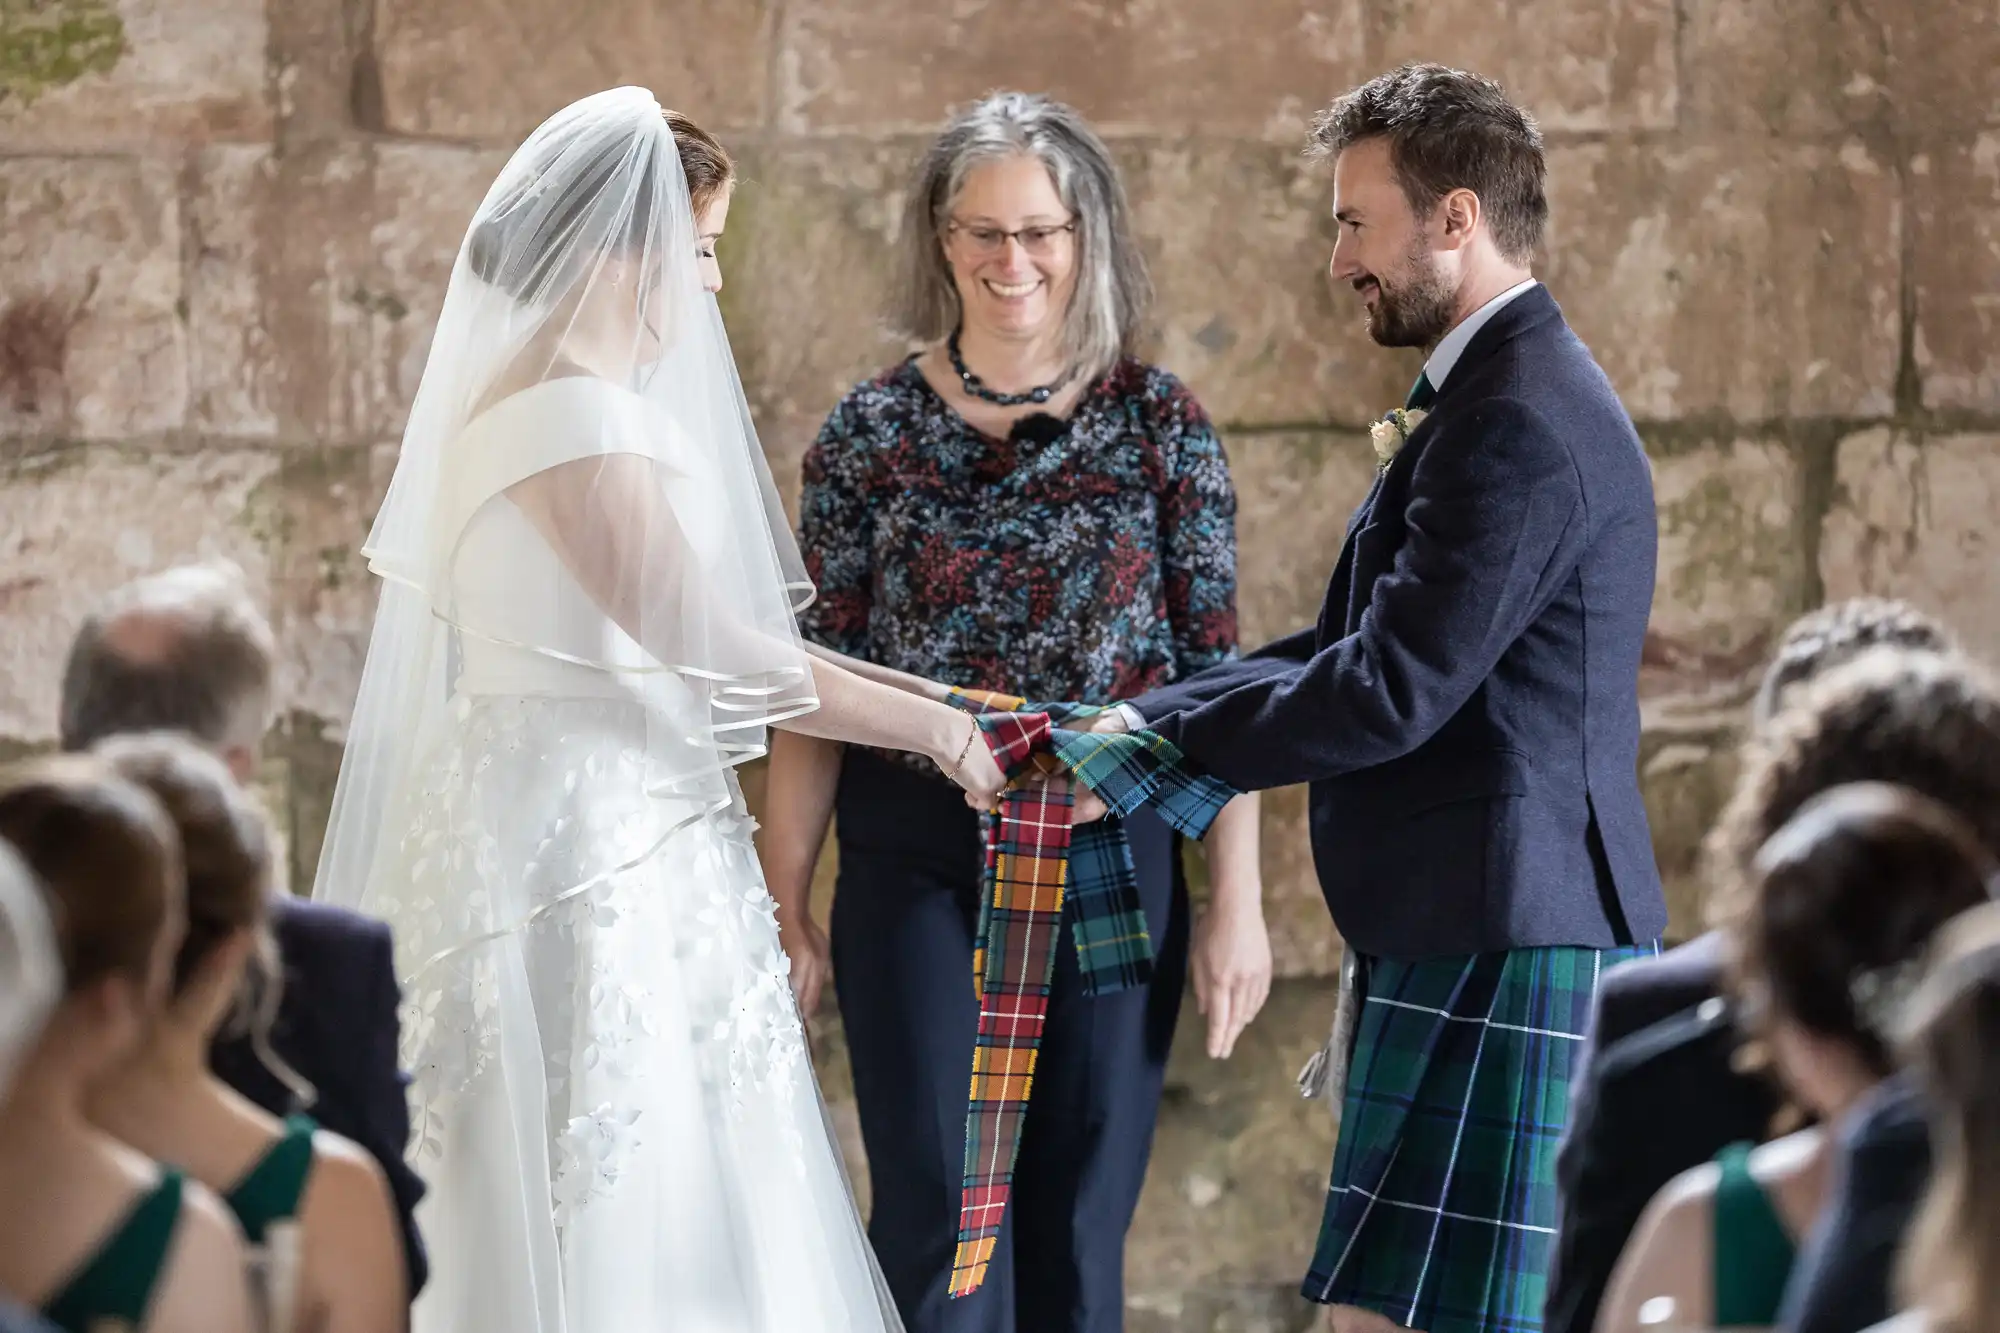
(305, 926)
(1892, 1122)
(1705, 1032)
(1644, 991)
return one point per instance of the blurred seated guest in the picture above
(93, 1234)
(1826, 943)
(30, 985)
(1022, 506)
(1951, 1268)
(188, 650)
(1660, 1089)
(1844, 1278)
(314, 1207)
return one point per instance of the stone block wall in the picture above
(225, 226)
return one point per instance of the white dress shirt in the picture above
(1452, 346)
(1449, 349)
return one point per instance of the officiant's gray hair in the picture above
(1112, 291)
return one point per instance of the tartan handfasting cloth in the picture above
(1441, 1211)
(1037, 872)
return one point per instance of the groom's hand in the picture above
(1110, 722)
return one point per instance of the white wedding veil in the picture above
(579, 379)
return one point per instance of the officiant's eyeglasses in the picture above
(1040, 241)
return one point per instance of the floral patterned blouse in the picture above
(1089, 560)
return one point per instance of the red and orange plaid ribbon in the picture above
(1027, 870)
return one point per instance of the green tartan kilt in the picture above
(1441, 1212)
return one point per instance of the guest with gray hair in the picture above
(1022, 505)
(188, 650)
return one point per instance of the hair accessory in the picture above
(1881, 995)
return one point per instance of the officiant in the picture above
(1022, 505)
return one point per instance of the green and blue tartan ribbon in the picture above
(1032, 856)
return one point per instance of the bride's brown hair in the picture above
(522, 250)
(704, 161)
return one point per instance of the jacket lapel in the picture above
(1529, 310)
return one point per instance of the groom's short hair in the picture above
(1450, 130)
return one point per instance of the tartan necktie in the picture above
(1422, 394)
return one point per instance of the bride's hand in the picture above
(977, 771)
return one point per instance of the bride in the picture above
(586, 623)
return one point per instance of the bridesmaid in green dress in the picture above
(1841, 904)
(95, 1235)
(315, 1208)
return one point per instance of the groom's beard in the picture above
(1416, 312)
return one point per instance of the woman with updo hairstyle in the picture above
(94, 1235)
(314, 1207)
(1951, 1267)
(1846, 898)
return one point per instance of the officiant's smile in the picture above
(1010, 244)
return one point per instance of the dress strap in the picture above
(1752, 1250)
(270, 1192)
(116, 1284)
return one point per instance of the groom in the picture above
(1466, 711)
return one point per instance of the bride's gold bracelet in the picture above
(970, 737)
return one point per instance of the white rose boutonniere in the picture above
(1393, 431)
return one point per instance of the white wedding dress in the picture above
(587, 621)
(567, 927)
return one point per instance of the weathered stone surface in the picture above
(1295, 492)
(1716, 279)
(1809, 68)
(93, 74)
(318, 282)
(493, 70)
(296, 776)
(1822, 67)
(1945, 77)
(1913, 518)
(1275, 1309)
(1687, 767)
(76, 523)
(312, 515)
(821, 218)
(1733, 566)
(1956, 273)
(91, 343)
(1239, 1168)
(1304, 942)
(1574, 64)
(312, 60)
(1129, 65)
(1239, 237)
